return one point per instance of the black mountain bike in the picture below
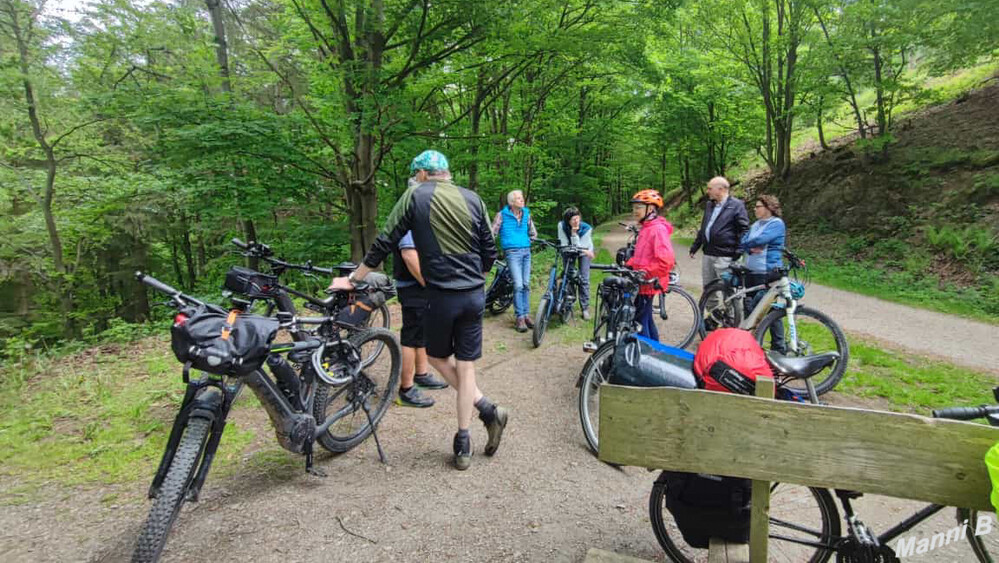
(319, 383)
(562, 291)
(379, 317)
(677, 316)
(805, 524)
(499, 296)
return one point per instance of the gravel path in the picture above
(960, 341)
(543, 497)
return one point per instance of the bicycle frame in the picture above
(778, 290)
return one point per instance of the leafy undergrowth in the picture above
(101, 416)
(911, 383)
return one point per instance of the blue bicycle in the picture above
(562, 291)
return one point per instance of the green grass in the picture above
(912, 383)
(101, 416)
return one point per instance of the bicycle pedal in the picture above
(589, 347)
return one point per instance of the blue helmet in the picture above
(431, 161)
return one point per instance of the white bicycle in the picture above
(794, 330)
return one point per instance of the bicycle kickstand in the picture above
(309, 467)
(374, 431)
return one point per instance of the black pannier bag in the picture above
(706, 506)
(223, 344)
(252, 284)
(642, 362)
(361, 304)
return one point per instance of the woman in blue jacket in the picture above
(763, 245)
(515, 228)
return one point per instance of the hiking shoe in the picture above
(462, 452)
(495, 430)
(528, 321)
(521, 325)
(413, 398)
(586, 314)
(428, 381)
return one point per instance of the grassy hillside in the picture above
(916, 223)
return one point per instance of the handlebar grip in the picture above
(964, 413)
(604, 267)
(156, 284)
(240, 243)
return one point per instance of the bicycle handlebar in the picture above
(966, 413)
(261, 250)
(179, 299)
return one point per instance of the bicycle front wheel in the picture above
(595, 372)
(677, 317)
(167, 505)
(816, 334)
(797, 513)
(715, 311)
(371, 391)
(541, 321)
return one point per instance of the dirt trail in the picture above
(955, 339)
(543, 497)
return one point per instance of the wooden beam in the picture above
(721, 551)
(759, 524)
(899, 455)
(594, 555)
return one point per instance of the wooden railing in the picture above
(899, 455)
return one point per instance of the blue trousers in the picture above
(643, 314)
(519, 262)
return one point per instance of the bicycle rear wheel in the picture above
(715, 312)
(167, 505)
(817, 333)
(682, 320)
(374, 385)
(595, 372)
(379, 318)
(985, 546)
(796, 513)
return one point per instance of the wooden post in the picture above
(759, 529)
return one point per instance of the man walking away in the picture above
(413, 300)
(725, 221)
(455, 246)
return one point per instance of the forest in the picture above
(143, 135)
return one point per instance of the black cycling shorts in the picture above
(453, 323)
(413, 300)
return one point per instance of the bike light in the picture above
(179, 319)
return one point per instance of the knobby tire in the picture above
(166, 506)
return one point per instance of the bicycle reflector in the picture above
(797, 290)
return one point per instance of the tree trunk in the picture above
(250, 232)
(818, 125)
(879, 89)
(185, 245)
(221, 47)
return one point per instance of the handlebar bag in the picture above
(642, 362)
(223, 344)
(253, 284)
(730, 360)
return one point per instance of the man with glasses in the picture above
(725, 221)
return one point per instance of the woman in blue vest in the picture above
(515, 229)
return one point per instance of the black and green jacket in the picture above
(450, 230)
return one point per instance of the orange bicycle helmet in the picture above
(649, 197)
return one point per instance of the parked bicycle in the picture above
(371, 316)
(499, 295)
(562, 291)
(795, 330)
(789, 372)
(317, 384)
(805, 523)
(676, 314)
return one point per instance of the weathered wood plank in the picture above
(721, 551)
(594, 555)
(759, 525)
(900, 455)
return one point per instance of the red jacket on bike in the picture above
(654, 253)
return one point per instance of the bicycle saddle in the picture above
(801, 367)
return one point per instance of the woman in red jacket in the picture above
(653, 254)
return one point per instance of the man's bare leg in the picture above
(449, 370)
